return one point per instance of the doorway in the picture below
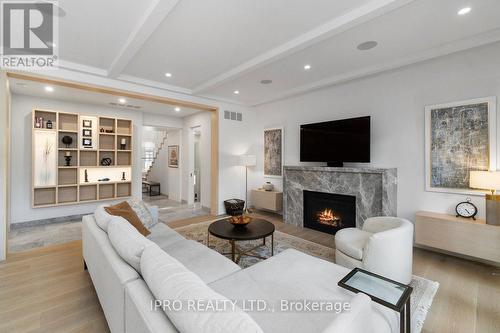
(197, 165)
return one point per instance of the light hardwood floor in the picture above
(47, 290)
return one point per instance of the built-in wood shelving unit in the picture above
(54, 183)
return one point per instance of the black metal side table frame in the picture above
(402, 306)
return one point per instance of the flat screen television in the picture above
(336, 142)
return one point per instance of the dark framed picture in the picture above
(87, 142)
(87, 123)
(87, 132)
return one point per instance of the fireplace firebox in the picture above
(329, 212)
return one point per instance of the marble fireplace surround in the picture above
(375, 190)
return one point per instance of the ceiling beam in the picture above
(111, 91)
(148, 23)
(331, 28)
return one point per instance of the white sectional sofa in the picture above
(127, 300)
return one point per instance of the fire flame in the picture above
(328, 217)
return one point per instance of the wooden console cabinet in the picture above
(458, 235)
(268, 200)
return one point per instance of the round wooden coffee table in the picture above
(257, 229)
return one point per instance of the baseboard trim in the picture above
(54, 220)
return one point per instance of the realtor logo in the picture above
(29, 31)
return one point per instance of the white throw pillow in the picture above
(127, 241)
(102, 217)
(169, 280)
(142, 211)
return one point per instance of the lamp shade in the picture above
(485, 180)
(248, 160)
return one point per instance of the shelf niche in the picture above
(67, 194)
(88, 158)
(88, 193)
(46, 115)
(44, 196)
(106, 191)
(67, 177)
(123, 190)
(62, 158)
(68, 122)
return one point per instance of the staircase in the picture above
(150, 161)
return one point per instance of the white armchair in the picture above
(384, 246)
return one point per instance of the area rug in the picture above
(423, 290)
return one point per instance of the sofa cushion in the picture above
(163, 235)
(142, 211)
(169, 280)
(102, 217)
(293, 275)
(357, 320)
(124, 210)
(351, 241)
(208, 264)
(127, 241)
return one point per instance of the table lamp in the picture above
(488, 180)
(247, 161)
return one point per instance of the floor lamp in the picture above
(247, 161)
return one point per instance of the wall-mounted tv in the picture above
(336, 142)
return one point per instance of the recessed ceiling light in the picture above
(465, 10)
(168, 74)
(177, 109)
(122, 100)
(307, 67)
(266, 81)
(49, 89)
(236, 92)
(367, 45)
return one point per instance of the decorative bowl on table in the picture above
(240, 220)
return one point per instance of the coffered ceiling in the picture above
(214, 48)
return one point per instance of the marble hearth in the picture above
(375, 190)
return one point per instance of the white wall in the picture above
(4, 158)
(174, 175)
(201, 120)
(235, 138)
(21, 155)
(395, 101)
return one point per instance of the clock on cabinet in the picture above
(466, 209)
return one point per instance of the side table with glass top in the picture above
(381, 290)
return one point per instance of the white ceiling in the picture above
(213, 47)
(37, 89)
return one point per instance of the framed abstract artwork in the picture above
(173, 156)
(459, 137)
(273, 152)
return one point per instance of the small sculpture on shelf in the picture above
(67, 140)
(49, 124)
(106, 161)
(67, 157)
(38, 122)
(123, 144)
(86, 176)
(102, 130)
(123, 176)
(104, 180)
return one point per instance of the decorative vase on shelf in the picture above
(67, 140)
(268, 186)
